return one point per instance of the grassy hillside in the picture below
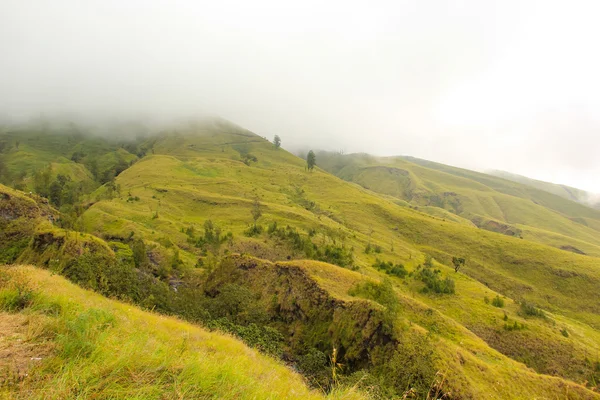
(59, 341)
(187, 205)
(489, 202)
(571, 193)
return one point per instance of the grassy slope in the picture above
(136, 355)
(535, 214)
(204, 178)
(571, 193)
(55, 147)
(471, 368)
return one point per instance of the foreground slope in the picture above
(66, 342)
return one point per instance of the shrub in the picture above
(253, 230)
(515, 326)
(382, 293)
(390, 268)
(530, 310)
(433, 282)
(332, 253)
(428, 261)
(498, 302)
(264, 338)
(564, 332)
(212, 236)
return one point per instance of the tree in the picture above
(140, 258)
(458, 262)
(277, 141)
(3, 168)
(311, 160)
(41, 181)
(256, 211)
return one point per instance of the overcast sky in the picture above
(510, 85)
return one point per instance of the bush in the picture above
(314, 365)
(332, 253)
(530, 310)
(212, 236)
(253, 230)
(515, 326)
(498, 302)
(382, 293)
(433, 282)
(264, 338)
(564, 332)
(391, 269)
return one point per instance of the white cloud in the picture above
(483, 84)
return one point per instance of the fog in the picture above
(510, 85)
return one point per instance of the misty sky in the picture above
(510, 85)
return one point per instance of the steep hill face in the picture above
(487, 201)
(166, 228)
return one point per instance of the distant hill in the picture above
(571, 193)
(487, 201)
(212, 223)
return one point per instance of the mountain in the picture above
(571, 193)
(422, 277)
(486, 201)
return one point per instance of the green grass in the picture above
(104, 349)
(196, 174)
(471, 195)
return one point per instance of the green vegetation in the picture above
(498, 301)
(71, 343)
(166, 231)
(390, 268)
(434, 283)
(530, 310)
(488, 202)
(311, 160)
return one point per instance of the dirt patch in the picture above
(572, 249)
(498, 227)
(18, 353)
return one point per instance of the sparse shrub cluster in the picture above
(530, 310)
(262, 337)
(253, 230)
(498, 301)
(213, 236)
(390, 268)
(332, 253)
(515, 326)
(434, 283)
(380, 292)
(372, 249)
(245, 155)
